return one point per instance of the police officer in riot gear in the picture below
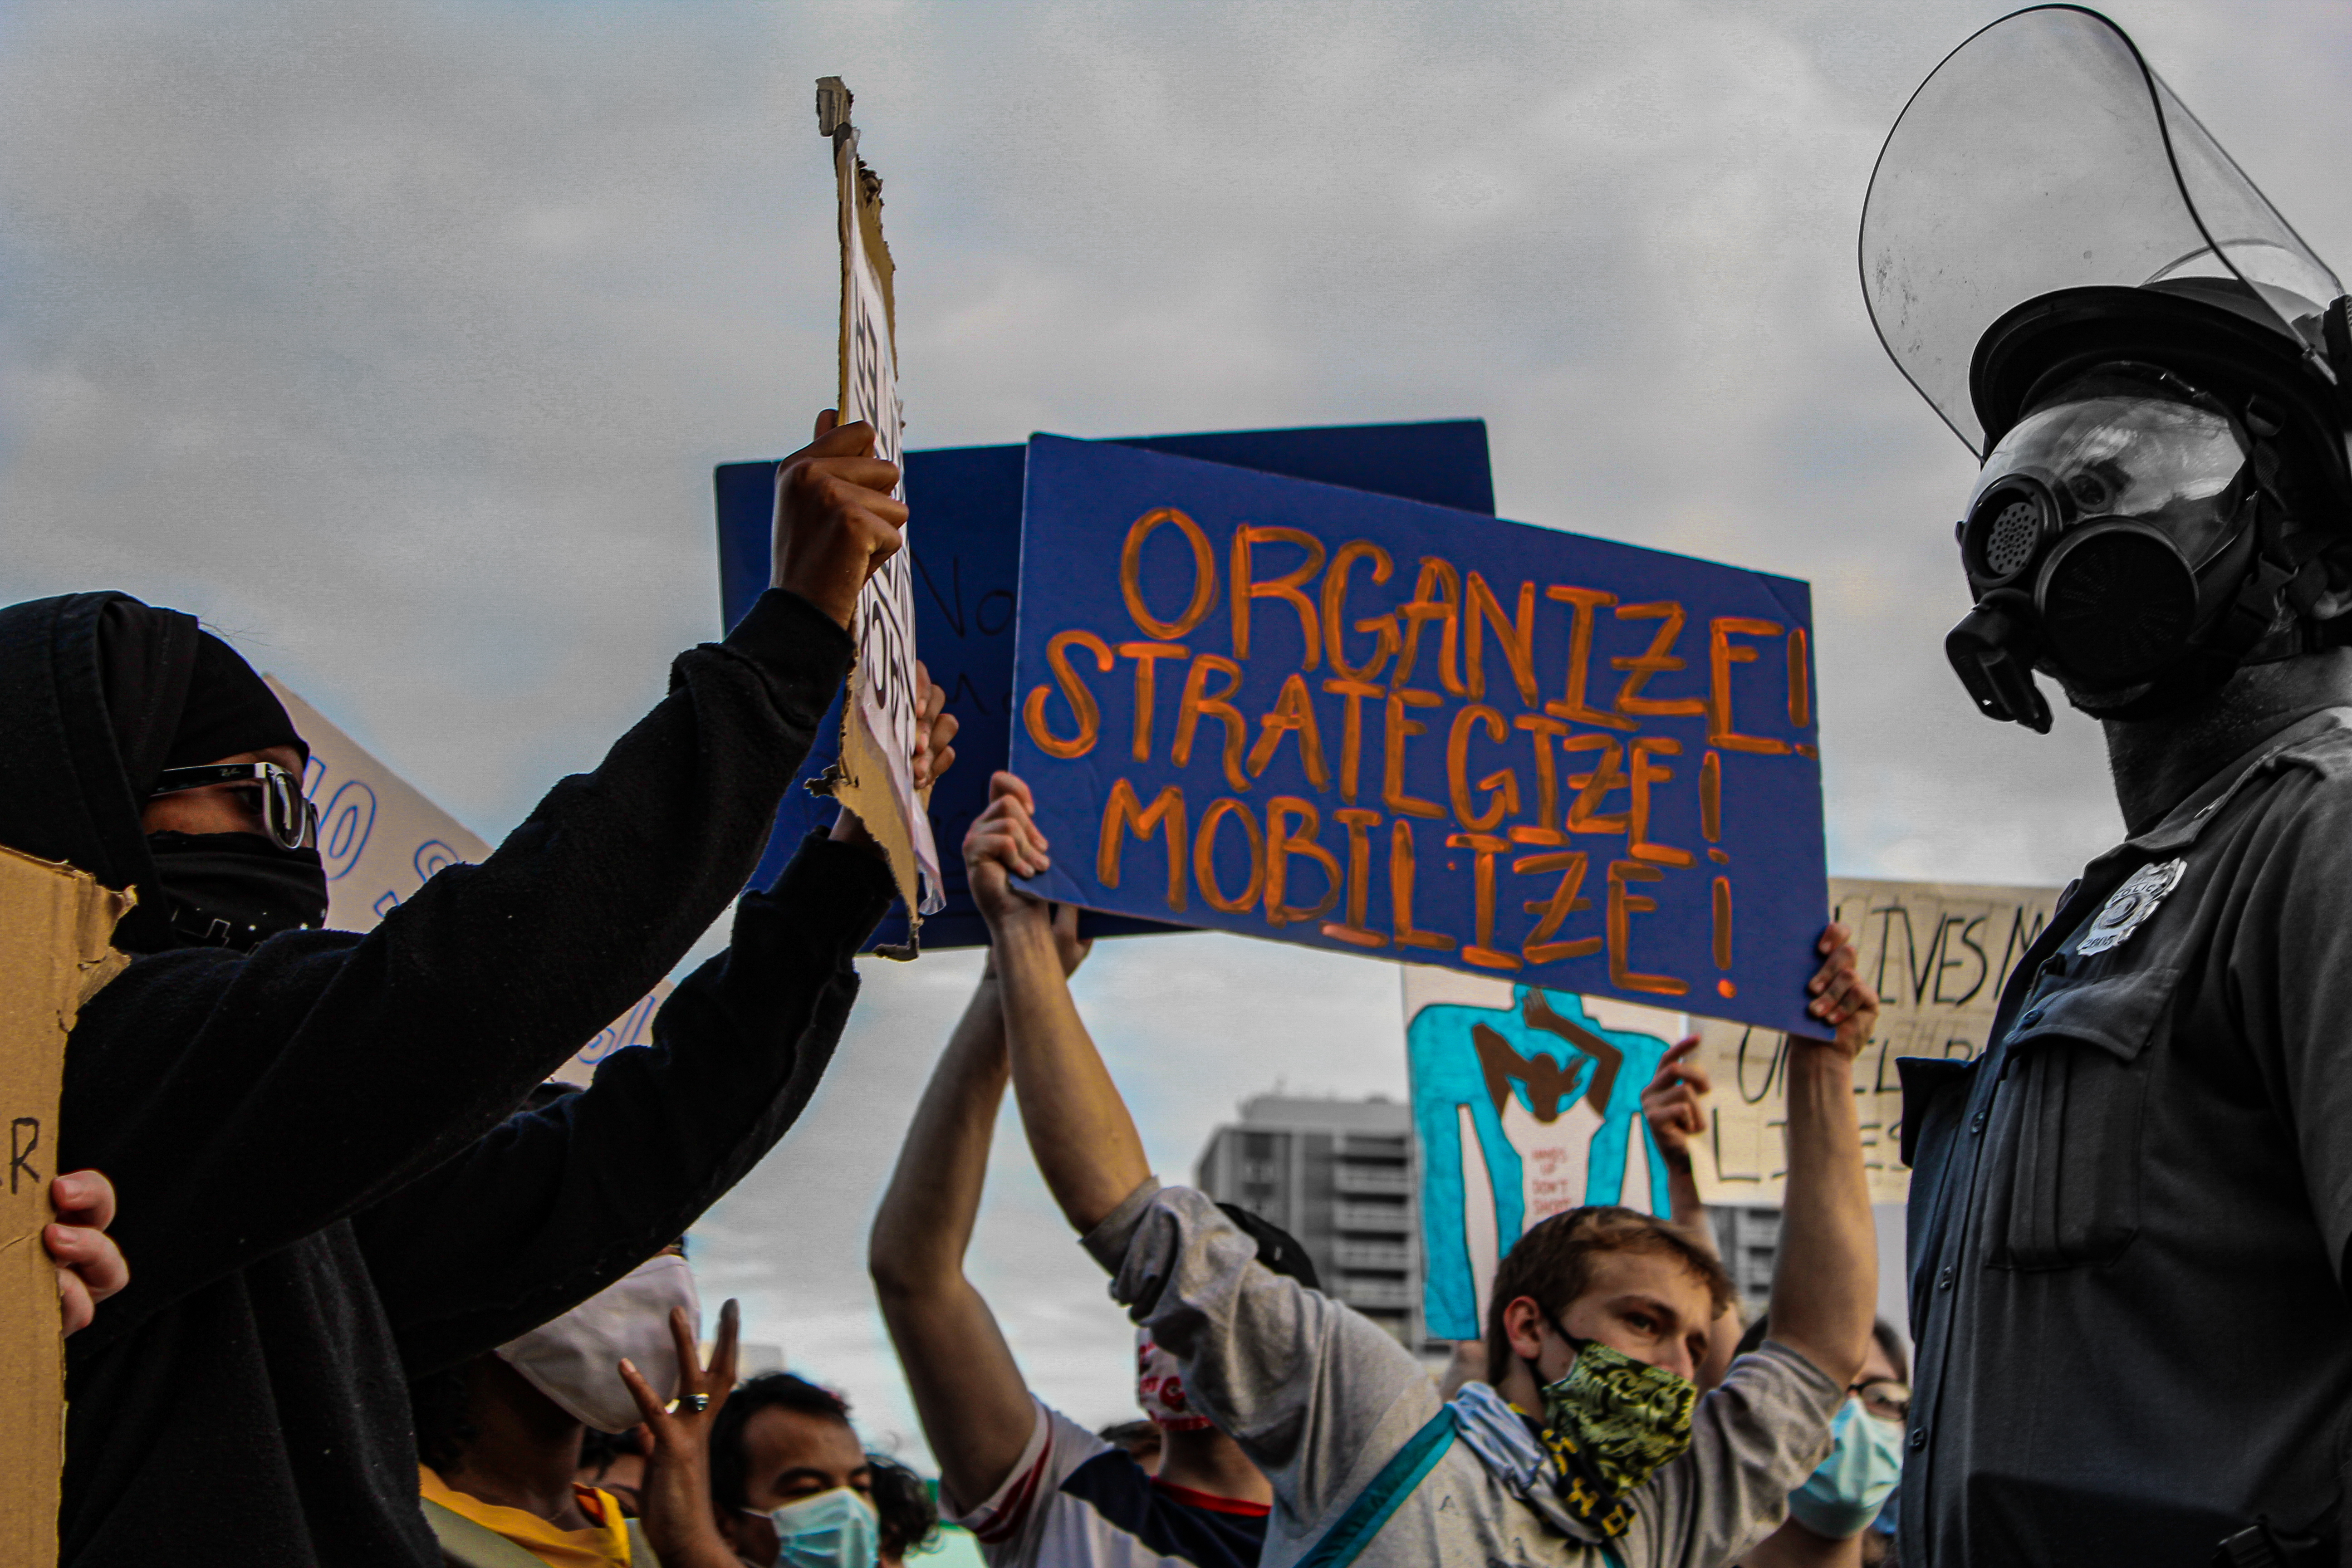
(2129, 1218)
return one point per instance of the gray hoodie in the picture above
(1321, 1397)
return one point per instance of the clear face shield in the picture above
(2041, 164)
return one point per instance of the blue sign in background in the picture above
(1298, 711)
(965, 536)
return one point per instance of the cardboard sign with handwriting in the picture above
(1938, 953)
(55, 925)
(1359, 722)
(882, 715)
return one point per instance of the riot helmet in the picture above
(2142, 352)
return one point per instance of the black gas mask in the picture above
(2109, 535)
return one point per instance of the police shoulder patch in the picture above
(2128, 907)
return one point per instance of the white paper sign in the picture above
(885, 706)
(379, 839)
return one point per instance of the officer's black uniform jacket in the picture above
(317, 1196)
(2128, 1218)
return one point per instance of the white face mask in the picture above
(839, 1529)
(575, 1360)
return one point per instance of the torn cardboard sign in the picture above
(1938, 953)
(379, 839)
(880, 718)
(55, 923)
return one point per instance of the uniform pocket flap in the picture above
(1924, 1078)
(2115, 1013)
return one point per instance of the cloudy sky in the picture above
(399, 341)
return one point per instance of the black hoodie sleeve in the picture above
(240, 1102)
(555, 1205)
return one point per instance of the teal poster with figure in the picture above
(1527, 1102)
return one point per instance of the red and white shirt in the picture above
(1076, 1501)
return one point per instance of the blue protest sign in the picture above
(966, 547)
(1298, 711)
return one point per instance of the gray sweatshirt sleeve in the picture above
(1319, 1396)
(1754, 1440)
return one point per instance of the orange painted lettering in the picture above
(1198, 700)
(1594, 788)
(1204, 856)
(1294, 714)
(1571, 705)
(1541, 946)
(1335, 611)
(1282, 842)
(1393, 735)
(1147, 657)
(1645, 774)
(1481, 609)
(1502, 786)
(1438, 576)
(1125, 814)
(1204, 574)
(1660, 660)
(1400, 864)
(1545, 829)
(1355, 929)
(1722, 653)
(1482, 950)
(1074, 691)
(1351, 730)
(1286, 586)
(1623, 905)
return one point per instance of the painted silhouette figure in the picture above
(1522, 1112)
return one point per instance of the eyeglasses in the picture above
(1883, 1397)
(292, 821)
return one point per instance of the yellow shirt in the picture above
(604, 1545)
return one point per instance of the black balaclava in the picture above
(178, 696)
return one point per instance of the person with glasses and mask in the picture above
(1837, 1518)
(320, 1189)
(1589, 1443)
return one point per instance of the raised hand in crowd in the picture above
(90, 1266)
(675, 1499)
(835, 520)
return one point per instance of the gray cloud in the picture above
(399, 341)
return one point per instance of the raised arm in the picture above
(330, 1070)
(975, 1407)
(1079, 1130)
(1825, 1280)
(1671, 1105)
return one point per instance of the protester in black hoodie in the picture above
(313, 1198)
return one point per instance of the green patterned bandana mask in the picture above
(1610, 1425)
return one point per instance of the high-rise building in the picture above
(1339, 1175)
(1747, 1239)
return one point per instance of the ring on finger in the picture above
(694, 1404)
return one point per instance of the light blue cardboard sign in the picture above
(1526, 1104)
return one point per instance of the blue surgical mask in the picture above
(1843, 1493)
(831, 1530)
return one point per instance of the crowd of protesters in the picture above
(319, 1312)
